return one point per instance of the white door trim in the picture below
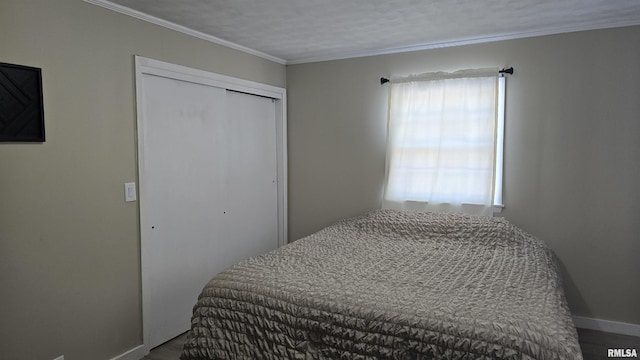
(172, 71)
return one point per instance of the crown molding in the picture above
(183, 29)
(467, 41)
(357, 54)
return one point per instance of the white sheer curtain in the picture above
(442, 142)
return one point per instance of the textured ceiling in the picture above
(311, 30)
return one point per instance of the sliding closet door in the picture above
(250, 188)
(208, 192)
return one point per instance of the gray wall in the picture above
(69, 245)
(572, 150)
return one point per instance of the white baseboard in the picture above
(606, 325)
(136, 353)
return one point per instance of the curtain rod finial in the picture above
(383, 81)
(506, 71)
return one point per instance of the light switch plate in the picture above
(130, 192)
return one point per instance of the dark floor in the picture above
(169, 350)
(594, 345)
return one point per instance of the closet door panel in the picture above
(180, 174)
(252, 214)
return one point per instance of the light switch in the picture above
(130, 192)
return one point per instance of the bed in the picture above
(391, 285)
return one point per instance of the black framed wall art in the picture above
(21, 105)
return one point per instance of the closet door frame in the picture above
(146, 66)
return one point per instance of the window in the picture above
(445, 137)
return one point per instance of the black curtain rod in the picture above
(503, 71)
